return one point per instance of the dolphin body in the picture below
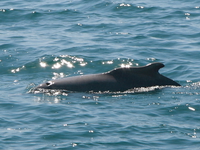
(119, 79)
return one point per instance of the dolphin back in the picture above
(120, 79)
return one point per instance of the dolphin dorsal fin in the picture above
(149, 70)
(154, 66)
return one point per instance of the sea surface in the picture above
(42, 40)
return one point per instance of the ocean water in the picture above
(48, 39)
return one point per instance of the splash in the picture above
(54, 92)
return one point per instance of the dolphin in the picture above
(119, 79)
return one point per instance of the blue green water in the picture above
(48, 39)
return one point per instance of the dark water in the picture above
(45, 39)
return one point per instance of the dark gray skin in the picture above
(120, 79)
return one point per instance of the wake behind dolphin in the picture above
(117, 80)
